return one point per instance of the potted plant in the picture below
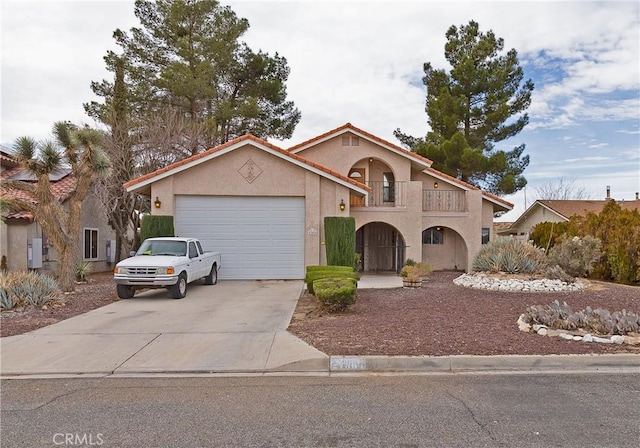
(423, 271)
(411, 277)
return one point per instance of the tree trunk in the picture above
(67, 269)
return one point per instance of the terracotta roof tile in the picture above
(369, 135)
(238, 140)
(62, 190)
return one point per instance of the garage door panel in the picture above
(259, 237)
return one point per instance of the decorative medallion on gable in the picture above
(250, 171)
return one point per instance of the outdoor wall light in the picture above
(435, 185)
(157, 203)
(342, 205)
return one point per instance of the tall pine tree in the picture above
(188, 58)
(480, 102)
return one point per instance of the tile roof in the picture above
(247, 137)
(568, 208)
(62, 190)
(370, 136)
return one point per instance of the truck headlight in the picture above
(118, 270)
(165, 271)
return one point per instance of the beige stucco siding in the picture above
(340, 158)
(247, 171)
(535, 216)
(271, 175)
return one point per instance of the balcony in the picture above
(444, 201)
(382, 194)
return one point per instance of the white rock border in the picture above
(480, 280)
(542, 330)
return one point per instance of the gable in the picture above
(142, 184)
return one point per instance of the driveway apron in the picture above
(235, 326)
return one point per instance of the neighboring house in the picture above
(559, 211)
(22, 239)
(263, 207)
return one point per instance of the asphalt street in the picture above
(363, 410)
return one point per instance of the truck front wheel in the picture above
(125, 292)
(179, 290)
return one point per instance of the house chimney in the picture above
(637, 196)
(608, 192)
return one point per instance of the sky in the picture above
(361, 62)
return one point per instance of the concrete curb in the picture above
(463, 363)
(396, 364)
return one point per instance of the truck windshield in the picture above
(160, 247)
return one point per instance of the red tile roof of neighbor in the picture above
(61, 188)
(365, 133)
(238, 140)
(568, 208)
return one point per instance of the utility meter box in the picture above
(34, 253)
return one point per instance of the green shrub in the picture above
(25, 288)
(576, 256)
(315, 268)
(327, 273)
(509, 255)
(335, 294)
(340, 240)
(410, 262)
(156, 225)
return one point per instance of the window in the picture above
(433, 235)
(388, 188)
(485, 235)
(355, 141)
(193, 252)
(345, 140)
(90, 244)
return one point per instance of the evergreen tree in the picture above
(188, 57)
(480, 102)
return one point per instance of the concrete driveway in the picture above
(234, 326)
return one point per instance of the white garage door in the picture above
(259, 237)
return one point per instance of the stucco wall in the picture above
(16, 234)
(228, 175)
(341, 158)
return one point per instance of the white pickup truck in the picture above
(168, 262)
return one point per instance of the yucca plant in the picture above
(83, 269)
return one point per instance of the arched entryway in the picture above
(381, 247)
(444, 249)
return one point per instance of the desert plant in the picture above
(410, 273)
(24, 288)
(335, 294)
(555, 272)
(340, 240)
(83, 269)
(598, 321)
(423, 269)
(410, 262)
(576, 256)
(509, 255)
